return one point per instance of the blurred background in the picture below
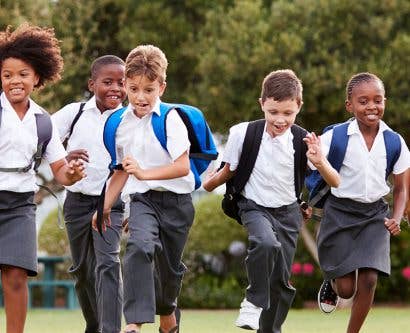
(219, 52)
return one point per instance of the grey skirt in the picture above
(352, 235)
(18, 237)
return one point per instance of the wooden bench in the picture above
(68, 285)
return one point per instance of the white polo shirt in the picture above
(363, 172)
(18, 143)
(272, 182)
(135, 137)
(88, 135)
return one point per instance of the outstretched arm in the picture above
(399, 203)
(67, 173)
(217, 178)
(315, 156)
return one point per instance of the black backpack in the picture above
(250, 150)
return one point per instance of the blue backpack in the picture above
(202, 151)
(318, 188)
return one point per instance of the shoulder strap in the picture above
(393, 149)
(1, 112)
(159, 123)
(300, 159)
(44, 132)
(110, 129)
(77, 116)
(250, 150)
(338, 145)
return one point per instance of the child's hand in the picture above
(78, 154)
(314, 152)
(392, 226)
(207, 182)
(75, 170)
(106, 222)
(132, 167)
(306, 212)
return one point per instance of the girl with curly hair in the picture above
(29, 58)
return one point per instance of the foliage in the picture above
(52, 239)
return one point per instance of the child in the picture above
(160, 186)
(354, 236)
(268, 207)
(96, 263)
(29, 58)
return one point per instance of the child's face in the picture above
(143, 93)
(367, 103)
(108, 86)
(279, 115)
(18, 80)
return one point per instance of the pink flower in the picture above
(406, 273)
(308, 268)
(296, 268)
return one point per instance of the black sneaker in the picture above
(327, 299)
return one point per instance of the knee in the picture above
(345, 289)
(140, 249)
(268, 244)
(14, 280)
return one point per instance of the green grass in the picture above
(380, 320)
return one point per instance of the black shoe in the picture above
(327, 298)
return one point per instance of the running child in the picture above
(29, 58)
(268, 205)
(160, 183)
(96, 263)
(354, 237)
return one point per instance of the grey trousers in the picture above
(159, 223)
(95, 264)
(272, 239)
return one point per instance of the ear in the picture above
(348, 106)
(260, 102)
(162, 89)
(91, 85)
(36, 80)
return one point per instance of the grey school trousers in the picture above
(95, 264)
(272, 239)
(158, 225)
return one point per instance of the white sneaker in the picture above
(249, 315)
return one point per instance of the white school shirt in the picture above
(18, 143)
(363, 172)
(272, 182)
(87, 134)
(135, 137)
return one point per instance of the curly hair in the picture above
(281, 85)
(359, 78)
(147, 60)
(36, 46)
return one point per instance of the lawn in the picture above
(380, 320)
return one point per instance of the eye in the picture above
(107, 82)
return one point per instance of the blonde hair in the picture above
(147, 60)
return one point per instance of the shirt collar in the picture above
(33, 108)
(354, 127)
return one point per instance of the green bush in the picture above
(52, 239)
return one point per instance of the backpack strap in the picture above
(338, 145)
(300, 159)
(250, 150)
(110, 130)
(75, 120)
(159, 123)
(44, 132)
(393, 149)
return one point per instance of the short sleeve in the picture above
(325, 140)
(233, 147)
(55, 150)
(63, 119)
(177, 135)
(403, 162)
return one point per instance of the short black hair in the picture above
(104, 60)
(359, 78)
(36, 46)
